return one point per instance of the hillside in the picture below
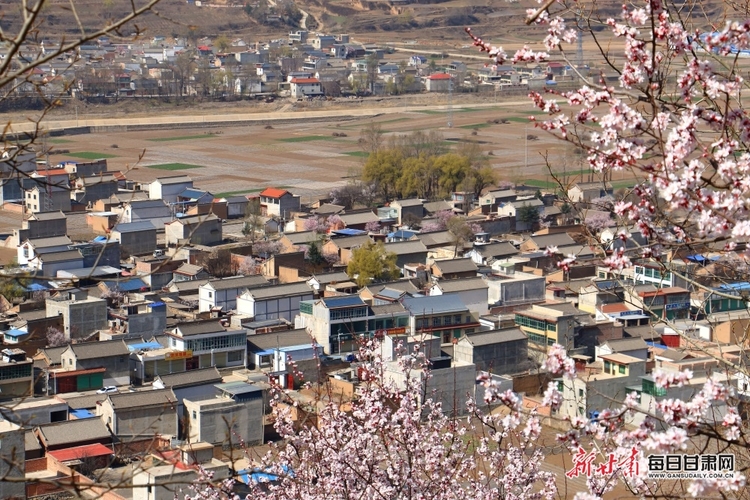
(377, 20)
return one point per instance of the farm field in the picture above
(306, 158)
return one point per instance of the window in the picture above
(234, 356)
(457, 319)
(25, 252)
(436, 321)
(195, 415)
(560, 386)
(210, 295)
(580, 393)
(419, 323)
(580, 410)
(621, 369)
(448, 320)
(607, 366)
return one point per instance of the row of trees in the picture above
(421, 165)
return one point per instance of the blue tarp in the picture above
(81, 414)
(260, 476)
(36, 287)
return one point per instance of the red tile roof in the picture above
(664, 291)
(614, 308)
(52, 171)
(79, 452)
(304, 80)
(273, 192)
(440, 76)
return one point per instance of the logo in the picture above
(691, 466)
(670, 466)
(583, 464)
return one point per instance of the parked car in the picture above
(107, 389)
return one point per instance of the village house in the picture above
(499, 352)
(140, 415)
(222, 293)
(273, 302)
(198, 230)
(136, 238)
(279, 202)
(168, 189)
(209, 344)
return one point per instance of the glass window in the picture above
(621, 369)
(607, 365)
(436, 321)
(580, 393)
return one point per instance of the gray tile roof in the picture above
(200, 327)
(190, 378)
(285, 290)
(412, 202)
(359, 218)
(132, 227)
(53, 241)
(61, 256)
(174, 179)
(351, 241)
(54, 354)
(438, 304)
(47, 216)
(237, 282)
(394, 308)
(557, 240)
(328, 208)
(455, 265)
(461, 285)
(334, 277)
(626, 344)
(73, 431)
(268, 341)
(189, 269)
(495, 336)
(102, 349)
(130, 400)
(501, 249)
(406, 247)
(300, 237)
(83, 402)
(434, 239)
(31, 443)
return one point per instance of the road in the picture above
(228, 119)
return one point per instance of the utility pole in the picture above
(450, 101)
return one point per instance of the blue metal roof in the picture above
(349, 301)
(131, 285)
(349, 232)
(740, 286)
(15, 333)
(144, 346)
